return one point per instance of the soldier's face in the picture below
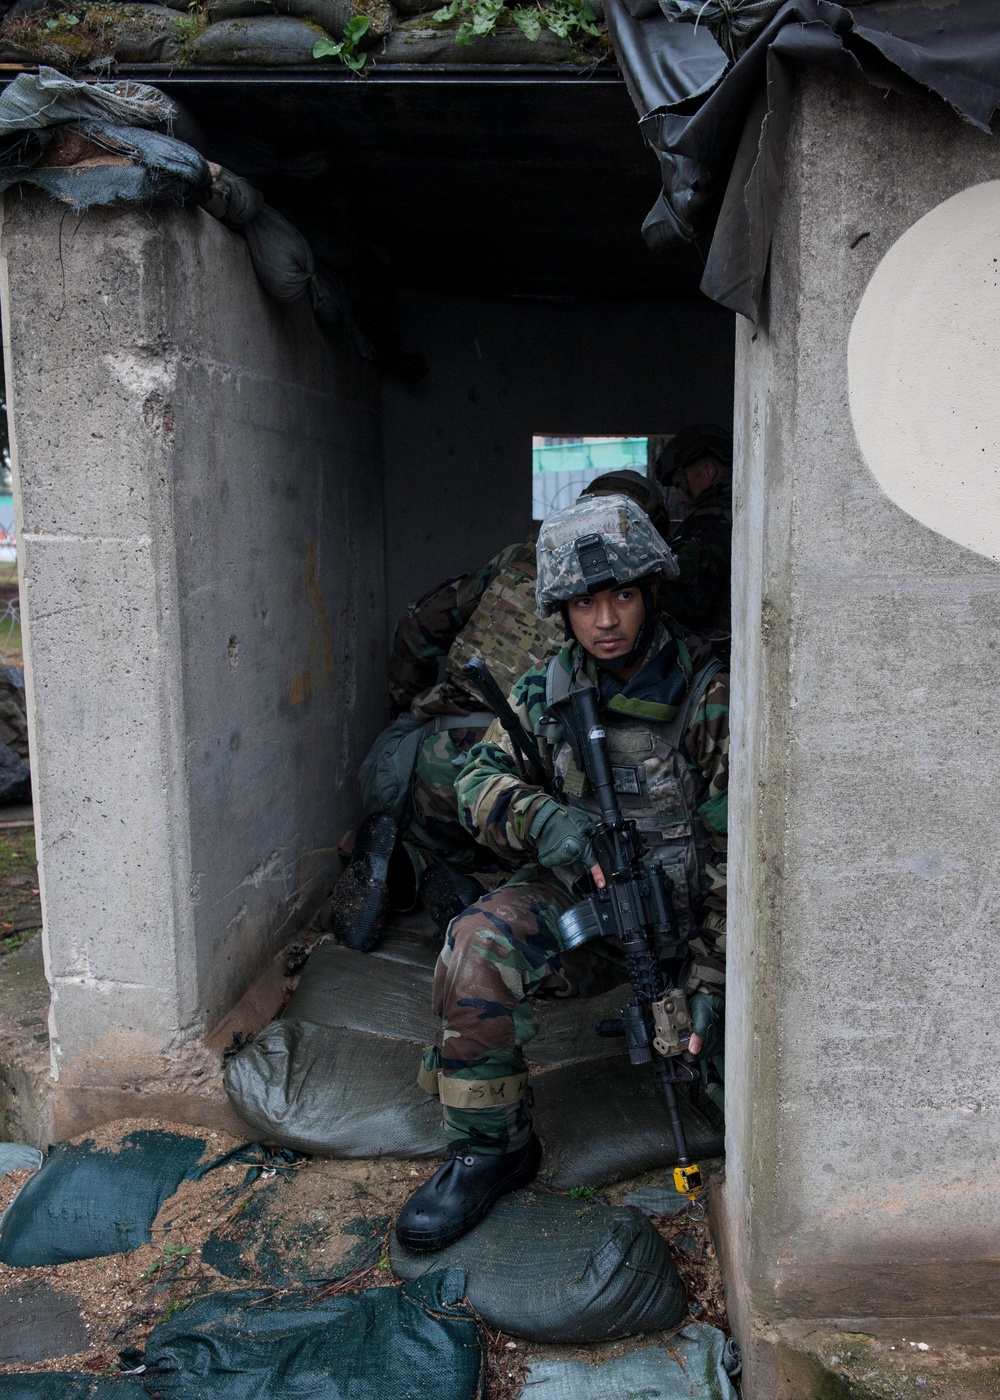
(606, 624)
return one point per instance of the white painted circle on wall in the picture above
(923, 370)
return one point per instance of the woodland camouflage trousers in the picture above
(430, 825)
(499, 953)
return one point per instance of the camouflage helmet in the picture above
(642, 489)
(600, 542)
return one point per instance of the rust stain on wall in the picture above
(321, 662)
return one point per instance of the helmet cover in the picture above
(599, 542)
(644, 490)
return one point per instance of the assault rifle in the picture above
(634, 907)
(529, 760)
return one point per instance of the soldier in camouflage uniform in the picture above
(490, 614)
(665, 709)
(699, 462)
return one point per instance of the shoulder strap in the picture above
(557, 683)
(674, 732)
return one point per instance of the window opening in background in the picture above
(562, 467)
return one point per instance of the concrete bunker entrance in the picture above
(241, 508)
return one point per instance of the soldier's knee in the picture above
(467, 926)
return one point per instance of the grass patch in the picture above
(20, 906)
(11, 647)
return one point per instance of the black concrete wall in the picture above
(457, 447)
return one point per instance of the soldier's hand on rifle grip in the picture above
(706, 1017)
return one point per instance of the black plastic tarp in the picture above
(718, 128)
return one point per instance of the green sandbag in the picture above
(552, 1269)
(84, 1203)
(605, 1120)
(380, 994)
(332, 15)
(263, 40)
(336, 1092)
(699, 1365)
(419, 1342)
(421, 40)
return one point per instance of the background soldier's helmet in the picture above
(642, 489)
(600, 542)
(695, 441)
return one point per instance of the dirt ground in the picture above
(298, 1226)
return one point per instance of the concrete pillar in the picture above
(198, 497)
(863, 1158)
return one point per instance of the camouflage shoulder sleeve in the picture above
(430, 625)
(707, 743)
(495, 803)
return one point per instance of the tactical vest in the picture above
(505, 630)
(655, 787)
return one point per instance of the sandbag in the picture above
(39, 1323)
(13, 710)
(282, 259)
(387, 768)
(331, 15)
(421, 40)
(341, 1093)
(604, 1120)
(151, 168)
(657, 1201)
(18, 1157)
(341, 987)
(700, 1362)
(232, 200)
(552, 1269)
(86, 1202)
(418, 1342)
(412, 939)
(46, 98)
(136, 33)
(265, 40)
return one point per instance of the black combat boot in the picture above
(461, 1193)
(357, 910)
(445, 892)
